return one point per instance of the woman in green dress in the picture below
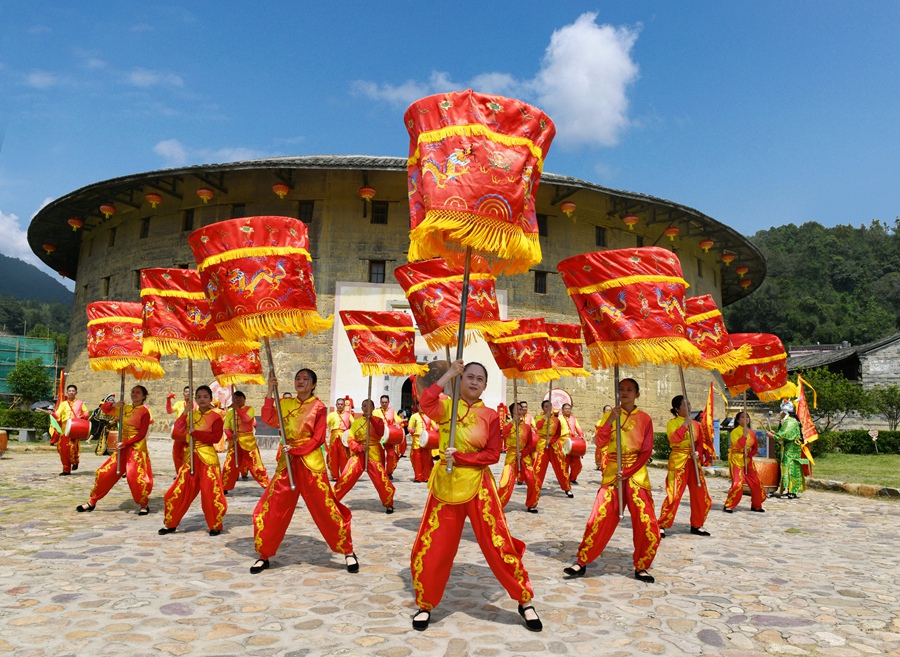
(790, 439)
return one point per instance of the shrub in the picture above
(661, 447)
(25, 420)
(860, 442)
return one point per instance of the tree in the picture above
(29, 380)
(886, 400)
(837, 398)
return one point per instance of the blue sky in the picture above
(756, 113)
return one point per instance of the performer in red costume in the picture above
(205, 426)
(132, 449)
(549, 451)
(601, 456)
(569, 428)
(338, 421)
(525, 442)
(69, 450)
(637, 446)
(305, 424)
(419, 456)
(682, 472)
(391, 455)
(467, 491)
(179, 441)
(248, 458)
(372, 464)
(740, 461)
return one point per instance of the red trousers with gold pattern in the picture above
(275, 509)
(377, 475)
(605, 517)
(338, 455)
(553, 455)
(676, 480)
(509, 478)
(178, 449)
(422, 463)
(247, 461)
(138, 474)
(574, 463)
(205, 482)
(438, 540)
(69, 452)
(391, 458)
(738, 479)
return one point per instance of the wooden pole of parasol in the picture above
(690, 426)
(368, 427)
(460, 343)
(190, 407)
(121, 423)
(619, 444)
(515, 419)
(284, 445)
(746, 465)
(234, 426)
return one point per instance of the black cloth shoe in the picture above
(533, 624)
(699, 531)
(259, 566)
(215, 532)
(81, 508)
(352, 567)
(645, 577)
(389, 510)
(421, 623)
(575, 571)
(574, 482)
(727, 510)
(226, 493)
(662, 532)
(166, 530)
(570, 494)
(532, 509)
(74, 467)
(144, 511)
(64, 474)
(244, 477)
(759, 510)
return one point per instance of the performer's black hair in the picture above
(238, 393)
(312, 375)
(637, 387)
(676, 404)
(738, 417)
(468, 365)
(143, 390)
(71, 385)
(207, 388)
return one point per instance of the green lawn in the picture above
(883, 469)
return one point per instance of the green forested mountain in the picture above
(825, 284)
(21, 280)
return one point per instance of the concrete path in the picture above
(815, 576)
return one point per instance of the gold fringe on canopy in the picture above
(252, 252)
(448, 336)
(142, 369)
(234, 378)
(659, 351)
(535, 376)
(274, 323)
(727, 361)
(787, 390)
(503, 245)
(196, 350)
(380, 369)
(572, 371)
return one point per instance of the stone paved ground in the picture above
(816, 576)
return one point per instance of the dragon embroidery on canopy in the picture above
(482, 297)
(197, 317)
(149, 307)
(614, 312)
(670, 305)
(212, 288)
(771, 375)
(247, 286)
(699, 337)
(454, 166)
(397, 347)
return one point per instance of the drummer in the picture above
(364, 437)
(69, 447)
(570, 430)
(420, 456)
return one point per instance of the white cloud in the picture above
(582, 82)
(15, 240)
(141, 77)
(41, 79)
(176, 154)
(39, 29)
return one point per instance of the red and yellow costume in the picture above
(569, 428)
(132, 449)
(69, 450)
(248, 458)
(549, 451)
(527, 440)
(206, 429)
(338, 455)
(601, 454)
(637, 446)
(305, 424)
(391, 454)
(420, 458)
(467, 491)
(742, 439)
(179, 440)
(373, 464)
(682, 473)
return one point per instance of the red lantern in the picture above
(740, 271)
(568, 207)
(63, 274)
(154, 199)
(746, 282)
(728, 258)
(367, 193)
(671, 232)
(206, 194)
(75, 223)
(281, 189)
(630, 220)
(49, 248)
(706, 244)
(108, 210)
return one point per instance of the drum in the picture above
(78, 429)
(768, 472)
(345, 438)
(112, 440)
(574, 446)
(393, 435)
(429, 439)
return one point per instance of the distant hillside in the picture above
(25, 282)
(825, 284)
